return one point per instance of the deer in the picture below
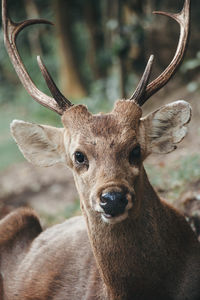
(129, 244)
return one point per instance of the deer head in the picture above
(104, 151)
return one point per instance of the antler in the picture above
(11, 30)
(140, 90)
(183, 18)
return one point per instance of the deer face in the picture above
(105, 151)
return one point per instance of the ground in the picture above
(51, 191)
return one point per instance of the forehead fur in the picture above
(126, 114)
(128, 110)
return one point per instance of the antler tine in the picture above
(183, 18)
(11, 30)
(57, 95)
(140, 90)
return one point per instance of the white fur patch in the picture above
(114, 220)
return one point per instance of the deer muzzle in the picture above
(113, 203)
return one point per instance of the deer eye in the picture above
(134, 154)
(79, 157)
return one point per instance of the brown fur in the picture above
(18, 222)
(149, 252)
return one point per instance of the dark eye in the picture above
(79, 157)
(134, 154)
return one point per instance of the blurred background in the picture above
(96, 53)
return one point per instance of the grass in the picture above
(173, 180)
(71, 210)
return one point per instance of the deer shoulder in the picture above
(55, 256)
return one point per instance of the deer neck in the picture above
(122, 250)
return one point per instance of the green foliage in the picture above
(14, 100)
(191, 65)
(72, 209)
(9, 153)
(174, 179)
(10, 87)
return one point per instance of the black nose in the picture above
(113, 203)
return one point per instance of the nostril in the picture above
(113, 196)
(122, 198)
(113, 203)
(104, 198)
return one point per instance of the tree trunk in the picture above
(94, 17)
(34, 34)
(71, 81)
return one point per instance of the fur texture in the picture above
(148, 252)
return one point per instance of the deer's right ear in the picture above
(40, 144)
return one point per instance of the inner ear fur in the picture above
(41, 145)
(166, 127)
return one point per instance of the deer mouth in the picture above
(107, 216)
(114, 219)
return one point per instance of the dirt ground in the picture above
(48, 190)
(52, 193)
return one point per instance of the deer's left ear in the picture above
(165, 127)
